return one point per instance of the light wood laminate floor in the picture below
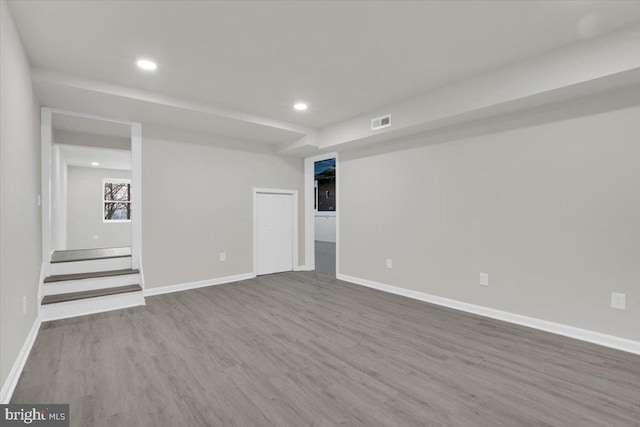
(299, 349)
(325, 257)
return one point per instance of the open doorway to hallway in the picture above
(322, 213)
(325, 215)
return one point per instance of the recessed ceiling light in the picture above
(300, 106)
(95, 164)
(147, 65)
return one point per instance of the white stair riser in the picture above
(87, 306)
(66, 286)
(90, 266)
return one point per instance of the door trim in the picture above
(46, 144)
(293, 193)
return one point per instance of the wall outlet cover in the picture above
(484, 279)
(223, 256)
(389, 263)
(618, 300)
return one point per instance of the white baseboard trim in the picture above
(194, 285)
(16, 370)
(300, 268)
(599, 338)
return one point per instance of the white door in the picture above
(274, 232)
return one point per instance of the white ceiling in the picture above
(229, 72)
(343, 58)
(76, 155)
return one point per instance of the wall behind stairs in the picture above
(85, 227)
(20, 235)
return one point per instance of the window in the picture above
(325, 185)
(116, 206)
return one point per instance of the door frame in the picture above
(309, 212)
(294, 193)
(46, 144)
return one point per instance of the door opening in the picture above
(325, 215)
(322, 214)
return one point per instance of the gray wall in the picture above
(20, 235)
(91, 140)
(84, 210)
(551, 212)
(198, 202)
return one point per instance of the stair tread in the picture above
(89, 254)
(91, 259)
(74, 296)
(91, 275)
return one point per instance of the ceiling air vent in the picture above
(381, 122)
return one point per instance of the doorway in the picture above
(91, 174)
(322, 214)
(325, 215)
(275, 230)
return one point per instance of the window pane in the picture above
(325, 175)
(117, 211)
(117, 191)
(327, 195)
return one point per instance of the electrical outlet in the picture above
(24, 305)
(95, 237)
(389, 263)
(484, 279)
(618, 300)
(223, 256)
(39, 200)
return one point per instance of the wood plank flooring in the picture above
(325, 257)
(301, 348)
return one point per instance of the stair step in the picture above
(74, 296)
(103, 264)
(91, 275)
(89, 254)
(68, 286)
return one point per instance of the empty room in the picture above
(319, 213)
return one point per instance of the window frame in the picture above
(113, 181)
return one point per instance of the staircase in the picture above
(90, 281)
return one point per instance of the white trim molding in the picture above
(46, 142)
(294, 194)
(16, 370)
(136, 196)
(599, 338)
(195, 285)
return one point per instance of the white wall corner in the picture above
(16, 370)
(599, 338)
